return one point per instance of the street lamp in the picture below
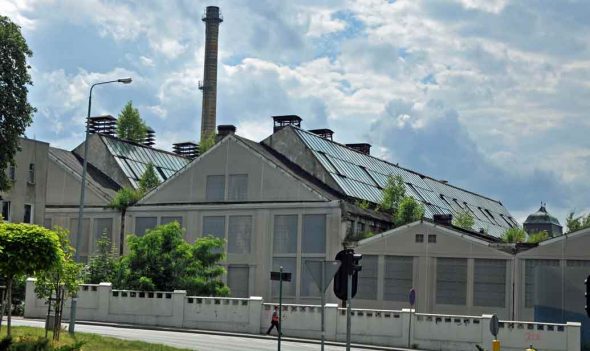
(83, 190)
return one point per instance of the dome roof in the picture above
(541, 217)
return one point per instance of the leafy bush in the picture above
(35, 343)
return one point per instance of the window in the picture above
(578, 263)
(84, 234)
(47, 223)
(489, 285)
(432, 238)
(12, 172)
(398, 277)
(215, 188)
(143, 224)
(31, 178)
(6, 210)
(166, 220)
(289, 265)
(451, 281)
(28, 215)
(285, 234)
(529, 278)
(238, 280)
(238, 234)
(314, 234)
(102, 227)
(238, 187)
(419, 238)
(214, 226)
(367, 278)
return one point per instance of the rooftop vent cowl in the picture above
(363, 148)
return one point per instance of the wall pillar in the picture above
(30, 299)
(573, 335)
(105, 291)
(254, 314)
(178, 301)
(486, 336)
(331, 320)
(407, 337)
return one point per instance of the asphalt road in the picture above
(194, 341)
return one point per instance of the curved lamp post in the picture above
(83, 190)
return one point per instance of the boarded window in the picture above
(285, 234)
(238, 280)
(103, 226)
(451, 281)
(238, 187)
(238, 234)
(489, 285)
(289, 265)
(308, 285)
(214, 226)
(12, 172)
(143, 224)
(166, 220)
(84, 235)
(398, 277)
(367, 278)
(529, 278)
(314, 234)
(215, 188)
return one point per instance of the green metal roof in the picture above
(133, 159)
(363, 177)
(541, 217)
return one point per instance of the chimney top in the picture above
(363, 148)
(212, 13)
(150, 137)
(286, 120)
(186, 149)
(105, 124)
(443, 219)
(225, 129)
(324, 133)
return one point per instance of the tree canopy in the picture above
(149, 179)
(514, 235)
(574, 223)
(464, 220)
(393, 193)
(16, 114)
(102, 265)
(409, 211)
(130, 126)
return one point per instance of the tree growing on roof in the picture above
(207, 142)
(574, 223)
(149, 179)
(538, 237)
(514, 235)
(409, 211)
(393, 193)
(130, 126)
(464, 219)
(16, 114)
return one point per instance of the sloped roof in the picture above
(541, 217)
(363, 177)
(133, 159)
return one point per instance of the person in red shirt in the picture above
(274, 322)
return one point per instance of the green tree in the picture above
(130, 126)
(538, 237)
(514, 235)
(574, 223)
(60, 281)
(149, 179)
(124, 198)
(409, 211)
(101, 267)
(393, 193)
(207, 142)
(16, 114)
(163, 260)
(26, 249)
(464, 219)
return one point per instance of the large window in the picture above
(238, 280)
(367, 278)
(143, 224)
(529, 278)
(215, 188)
(289, 264)
(285, 234)
(103, 227)
(239, 234)
(6, 210)
(28, 215)
(214, 226)
(398, 277)
(166, 220)
(314, 234)
(451, 281)
(489, 285)
(84, 235)
(238, 187)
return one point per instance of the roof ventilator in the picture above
(281, 122)
(363, 148)
(324, 133)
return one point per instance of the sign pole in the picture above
(412, 298)
(280, 307)
(348, 310)
(323, 304)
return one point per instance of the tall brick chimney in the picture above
(212, 19)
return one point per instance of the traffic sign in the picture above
(412, 297)
(494, 326)
(286, 276)
(315, 269)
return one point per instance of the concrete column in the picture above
(254, 314)
(486, 336)
(105, 291)
(331, 315)
(178, 301)
(408, 317)
(30, 298)
(573, 336)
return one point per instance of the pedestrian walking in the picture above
(274, 322)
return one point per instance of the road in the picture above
(194, 341)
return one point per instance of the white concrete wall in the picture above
(378, 327)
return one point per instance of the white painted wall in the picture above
(379, 327)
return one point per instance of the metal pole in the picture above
(348, 310)
(323, 304)
(280, 306)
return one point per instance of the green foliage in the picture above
(130, 126)
(162, 260)
(125, 197)
(363, 204)
(577, 223)
(464, 220)
(409, 211)
(207, 142)
(16, 114)
(538, 237)
(101, 267)
(514, 235)
(393, 193)
(149, 179)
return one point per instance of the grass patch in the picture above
(92, 342)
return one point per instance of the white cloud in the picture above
(322, 22)
(493, 6)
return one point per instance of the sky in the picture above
(491, 95)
